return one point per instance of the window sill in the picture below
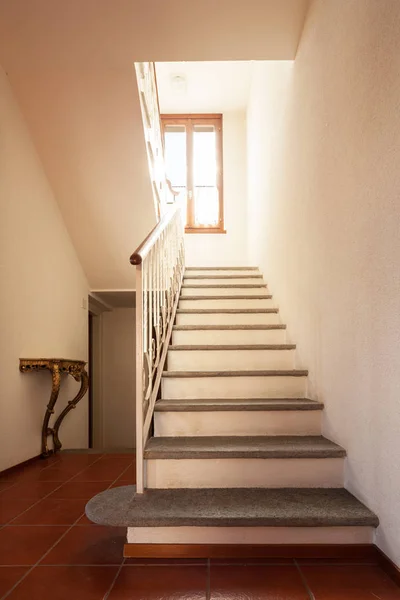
(204, 230)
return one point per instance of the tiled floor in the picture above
(48, 549)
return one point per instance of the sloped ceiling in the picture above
(71, 66)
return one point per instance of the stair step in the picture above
(227, 327)
(231, 311)
(219, 276)
(284, 383)
(233, 347)
(238, 404)
(227, 419)
(234, 507)
(269, 373)
(225, 285)
(242, 290)
(266, 447)
(221, 302)
(221, 269)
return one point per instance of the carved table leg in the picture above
(81, 376)
(55, 389)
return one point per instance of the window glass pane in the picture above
(206, 197)
(175, 155)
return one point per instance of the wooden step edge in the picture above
(257, 276)
(230, 297)
(268, 373)
(222, 286)
(228, 311)
(252, 405)
(183, 347)
(228, 327)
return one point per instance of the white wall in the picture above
(324, 181)
(42, 287)
(118, 378)
(216, 249)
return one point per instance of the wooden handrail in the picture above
(142, 251)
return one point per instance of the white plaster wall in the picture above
(118, 378)
(42, 288)
(324, 213)
(228, 249)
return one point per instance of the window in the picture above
(193, 156)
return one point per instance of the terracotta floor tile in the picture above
(102, 472)
(64, 583)
(153, 583)
(350, 581)
(257, 582)
(80, 489)
(26, 545)
(53, 511)
(30, 489)
(89, 546)
(9, 577)
(12, 507)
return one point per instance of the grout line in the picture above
(65, 532)
(304, 580)
(114, 580)
(208, 588)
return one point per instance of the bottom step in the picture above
(195, 511)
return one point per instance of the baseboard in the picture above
(25, 463)
(388, 566)
(312, 551)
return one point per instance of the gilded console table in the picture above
(56, 366)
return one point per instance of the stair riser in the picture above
(218, 303)
(245, 472)
(228, 319)
(228, 336)
(221, 272)
(229, 360)
(250, 535)
(220, 291)
(223, 281)
(234, 387)
(281, 422)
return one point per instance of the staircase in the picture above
(237, 455)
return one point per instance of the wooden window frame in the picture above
(189, 120)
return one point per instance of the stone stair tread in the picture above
(221, 269)
(232, 311)
(287, 446)
(228, 327)
(234, 507)
(232, 347)
(223, 286)
(230, 297)
(267, 373)
(237, 404)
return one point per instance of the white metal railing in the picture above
(159, 262)
(148, 93)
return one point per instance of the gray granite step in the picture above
(232, 311)
(269, 373)
(221, 269)
(255, 276)
(230, 297)
(227, 327)
(232, 347)
(224, 285)
(286, 446)
(250, 507)
(238, 404)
